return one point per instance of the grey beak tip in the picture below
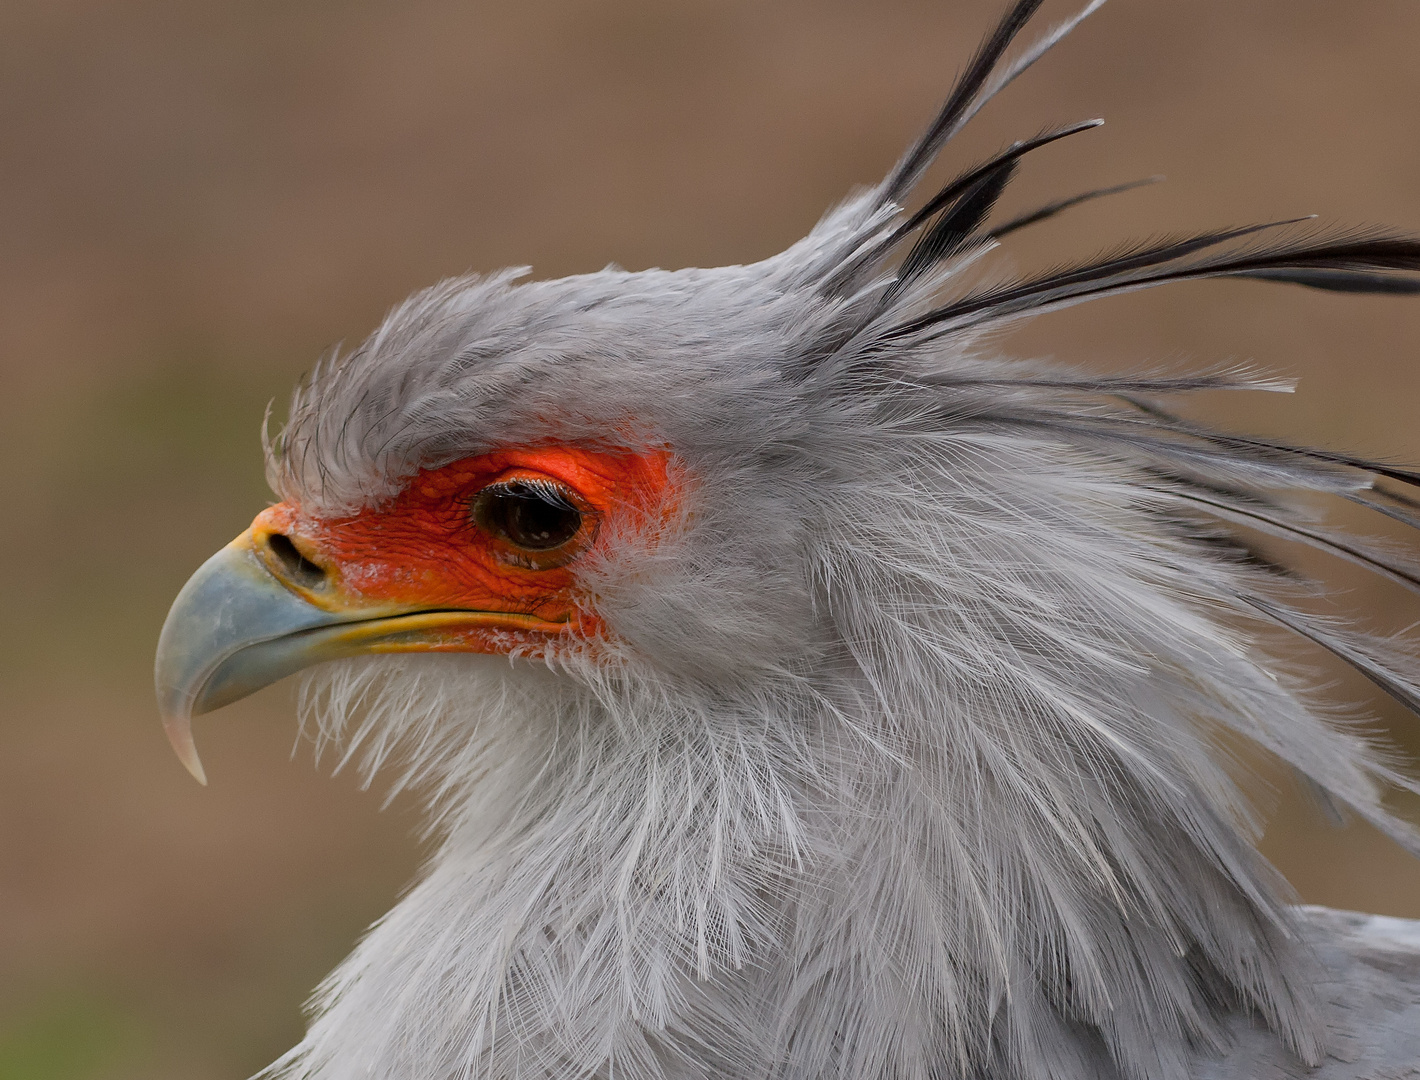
(232, 629)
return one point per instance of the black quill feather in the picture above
(1356, 257)
(948, 119)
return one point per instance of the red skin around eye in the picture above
(422, 551)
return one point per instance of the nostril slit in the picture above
(299, 568)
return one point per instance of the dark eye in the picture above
(534, 517)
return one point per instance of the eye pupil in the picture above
(526, 516)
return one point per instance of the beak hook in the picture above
(179, 732)
(210, 649)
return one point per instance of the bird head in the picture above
(617, 472)
(798, 681)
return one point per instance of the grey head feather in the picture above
(910, 754)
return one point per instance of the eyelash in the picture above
(548, 490)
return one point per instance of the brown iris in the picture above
(536, 519)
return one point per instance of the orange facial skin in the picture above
(422, 552)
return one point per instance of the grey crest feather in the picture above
(910, 759)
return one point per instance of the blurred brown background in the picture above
(197, 199)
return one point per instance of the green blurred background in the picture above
(197, 200)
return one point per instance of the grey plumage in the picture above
(1369, 992)
(907, 752)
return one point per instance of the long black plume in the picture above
(1339, 647)
(1049, 210)
(1172, 438)
(1352, 281)
(951, 231)
(1409, 477)
(1338, 545)
(959, 101)
(950, 195)
(1357, 259)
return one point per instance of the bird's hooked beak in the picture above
(233, 629)
(260, 610)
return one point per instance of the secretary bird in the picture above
(802, 689)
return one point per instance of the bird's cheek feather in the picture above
(417, 575)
